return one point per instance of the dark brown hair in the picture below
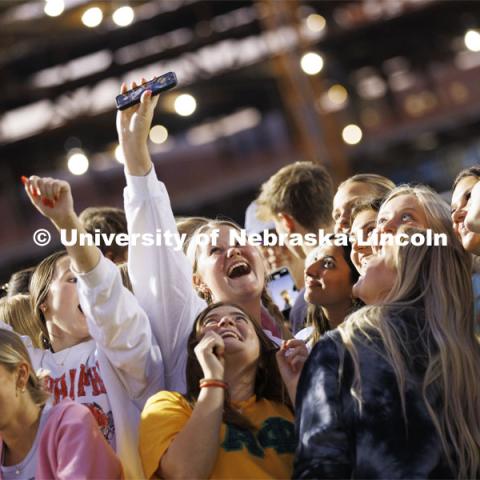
(268, 382)
(315, 315)
(371, 204)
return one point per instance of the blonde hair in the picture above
(12, 354)
(437, 210)
(192, 254)
(437, 281)
(39, 286)
(17, 312)
(381, 186)
(127, 283)
(188, 226)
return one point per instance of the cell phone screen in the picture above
(282, 289)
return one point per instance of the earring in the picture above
(205, 293)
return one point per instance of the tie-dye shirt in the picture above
(337, 441)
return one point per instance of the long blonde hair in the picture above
(17, 312)
(12, 354)
(193, 252)
(436, 280)
(39, 286)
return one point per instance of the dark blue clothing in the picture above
(336, 441)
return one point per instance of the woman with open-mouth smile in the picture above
(235, 419)
(171, 287)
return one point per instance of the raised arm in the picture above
(133, 125)
(53, 199)
(115, 319)
(161, 275)
(174, 444)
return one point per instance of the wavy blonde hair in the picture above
(437, 280)
(12, 354)
(17, 312)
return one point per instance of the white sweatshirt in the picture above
(161, 276)
(118, 370)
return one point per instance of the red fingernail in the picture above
(47, 202)
(33, 192)
(24, 179)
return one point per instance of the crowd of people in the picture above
(159, 362)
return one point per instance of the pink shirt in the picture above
(72, 446)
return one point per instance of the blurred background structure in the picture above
(383, 86)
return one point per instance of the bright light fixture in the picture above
(123, 16)
(472, 40)
(352, 134)
(78, 163)
(158, 134)
(315, 22)
(54, 8)
(185, 105)
(311, 63)
(92, 17)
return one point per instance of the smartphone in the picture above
(282, 289)
(157, 85)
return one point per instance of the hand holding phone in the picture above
(282, 289)
(158, 84)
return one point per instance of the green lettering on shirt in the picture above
(236, 439)
(275, 432)
(279, 434)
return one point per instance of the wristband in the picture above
(212, 382)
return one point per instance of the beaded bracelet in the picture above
(212, 382)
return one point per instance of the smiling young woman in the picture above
(461, 204)
(398, 377)
(235, 419)
(99, 349)
(163, 277)
(329, 277)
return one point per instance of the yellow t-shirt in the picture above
(266, 453)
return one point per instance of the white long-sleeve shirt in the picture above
(161, 276)
(115, 372)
